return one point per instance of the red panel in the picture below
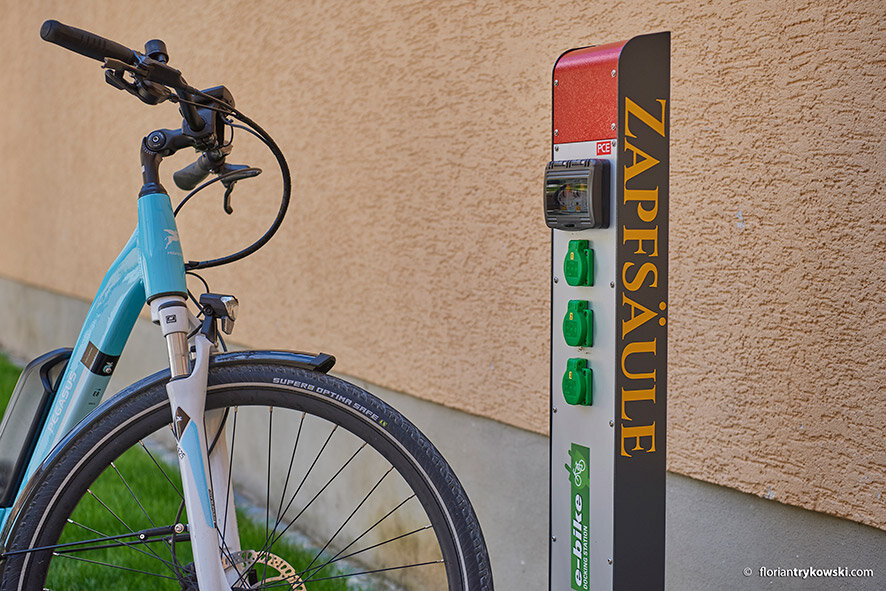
(586, 94)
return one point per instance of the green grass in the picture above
(159, 504)
(9, 373)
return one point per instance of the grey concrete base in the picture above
(713, 533)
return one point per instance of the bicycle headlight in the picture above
(231, 306)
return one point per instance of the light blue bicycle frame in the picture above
(150, 266)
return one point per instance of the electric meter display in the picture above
(574, 195)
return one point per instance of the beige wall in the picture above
(416, 251)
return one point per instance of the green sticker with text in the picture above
(579, 502)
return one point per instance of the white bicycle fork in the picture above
(208, 499)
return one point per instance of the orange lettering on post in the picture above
(637, 167)
(640, 276)
(637, 433)
(641, 196)
(635, 396)
(636, 319)
(641, 236)
(639, 347)
(656, 125)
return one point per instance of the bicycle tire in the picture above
(248, 387)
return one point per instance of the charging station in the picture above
(606, 201)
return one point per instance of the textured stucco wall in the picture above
(416, 252)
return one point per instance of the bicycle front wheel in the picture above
(334, 490)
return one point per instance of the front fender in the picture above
(320, 362)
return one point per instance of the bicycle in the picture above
(71, 469)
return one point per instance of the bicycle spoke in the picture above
(354, 512)
(303, 480)
(228, 494)
(357, 539)
(109, 546)
(221, 428)
(369, 572)
(126, 568)
(129, 545)
(117, 517)
(289, 471)
(325, 486)
(156, 463)
(134, 497)
(268, 491)
(109, 510)
(225, 548)
(388, 541)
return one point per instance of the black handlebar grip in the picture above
(85, 43)
(190, 176)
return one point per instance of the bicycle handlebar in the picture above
(154, 69)
(192, 175)
(98, 48)
(86, 43)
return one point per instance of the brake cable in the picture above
(269, 142)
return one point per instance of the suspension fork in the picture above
(205, 476)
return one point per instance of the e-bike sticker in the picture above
(97, 362)
(580, 506)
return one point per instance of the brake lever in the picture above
(148, 92)
(232, 173)
(121, 66)
(229, 188)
